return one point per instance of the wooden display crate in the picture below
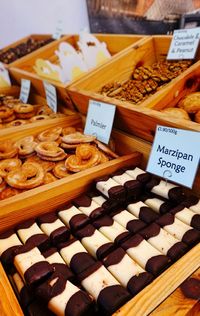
(56, 195)
(116, 44)
(24, 39)
(36, 99)
(139, 120)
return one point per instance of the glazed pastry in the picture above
(8, 243)
(142, 211)
(52, 226)
(64, 298)
(128, 220)
(31, 265)
(29, 232)
(127, 271)
(111, 229)
(94, 242)
(58, 264)
(178, 229)
(75, 255)
(105, 289)
(163, 241)
(147, 256)
(88, 207)
(187, 216)
(72, 217)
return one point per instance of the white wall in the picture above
(20, 18)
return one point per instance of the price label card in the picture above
(25, 90)
(51, 96)
(175, 155)
(184, 44)
(59, 30)
(99, 120)
(4, 77)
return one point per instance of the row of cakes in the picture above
(94, 254)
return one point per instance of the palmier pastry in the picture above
(46, 165)
(48, 178)
(50, 135)
(86, 156)
(24, 111)
(5, 112)
(44, 110)
(8, 165)
(68, 130)
(7, 149)
(176, 113)
(78, 138)
(60, 171)
(9, 119)
(197, 117)
(28, 176)
(62, 156)
(26, 145)
(49, 149)
(2, 184)
(40, 117)
(9, 192)
(191, 103)
(16, 123)
(105, 149)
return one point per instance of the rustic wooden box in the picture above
(116, 44)
(36, 99)
(24, 39)
(140, 119)
(19, 209)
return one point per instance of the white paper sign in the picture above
(59, 30)
(25, 90)
(4, 76)
(99, 120)
(51, 95)
(175, 155)
(184, 44)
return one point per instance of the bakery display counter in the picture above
(122, 83)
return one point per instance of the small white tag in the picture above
(175, 155)
(4, 77)
(25, 90)
(184, 44)
(59, 30)
(99, 120)
(51, 95)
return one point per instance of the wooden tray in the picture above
(149, 298)
(36, 99)
(24, 39)
(24, 68)
(139, 120)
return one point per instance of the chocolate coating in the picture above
(195, 222)
(37, 308)
(147, 215)
(78, 221)
(7, 234)
(133, 241)
(62, 269)
(26, 224)
(47, 218)
(150, 231)
(112, 297)
(80, 304)
(81, 261)
(135, 225)
(190, 201)
(165, 220)
(157, 264)
(26, 296)
(8, 255)
(138, 282)
(103, 221)
(83, 275)
(86, 231)
(40, 240)
(176, 194)
(82, 200)
(104, 250)
(133, 189)
(117, 193)
(59, 235)
(37, 272)
(114, 257)
(122, 237)
(176, 251)
(191, 237)
(152, 183)
(191, 288)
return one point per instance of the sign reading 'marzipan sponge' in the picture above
(175, 155)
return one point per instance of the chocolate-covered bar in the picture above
(59, 265)
(72, 217)
(31, 264)
(88, 207)
(98, 198)
(158, 205)
(163, 241)
(187, 216)
(8, 243)
(30, 232)
(138, 174)
(165, 189)
(105, 289)
(95, 242)
(178, 229)
(75, 255)
(52, 226)
(128, 220)
(111, 229)
(147, 256)
(64, 298)
(133, 187)
(23, 292)
(111, 189)
(193, 203)
(142, 211)
(127, 271)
